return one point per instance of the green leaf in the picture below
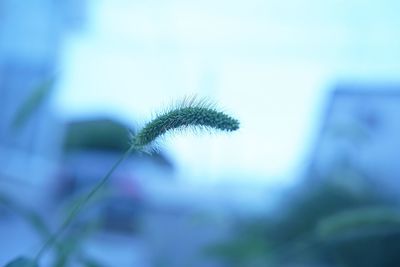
(29, 215)
(88, 262)
(359, 220)
(22, 262)
(32, 103)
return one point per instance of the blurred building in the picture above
(359, 139)
(31, 37)
(32, 34)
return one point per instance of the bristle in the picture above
(191, 112)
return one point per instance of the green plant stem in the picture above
(72, 215)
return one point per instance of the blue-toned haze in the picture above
(269, 63)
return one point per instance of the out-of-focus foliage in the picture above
(365, 237)
(106, 135)
(69, 249)
(102, 134)
(22, 262)
(32, 103)
(326, 225)
(71, 246)
(89, 262)
(359, 221)
(29, 215)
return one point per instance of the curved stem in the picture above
(72, 215)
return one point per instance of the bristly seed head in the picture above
(187, 114)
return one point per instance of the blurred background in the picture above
(310, 179)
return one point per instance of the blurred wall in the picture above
(358, 142)
(31, 37)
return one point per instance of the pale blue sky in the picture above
(270, 63)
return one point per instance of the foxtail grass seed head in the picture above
(189, 114)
